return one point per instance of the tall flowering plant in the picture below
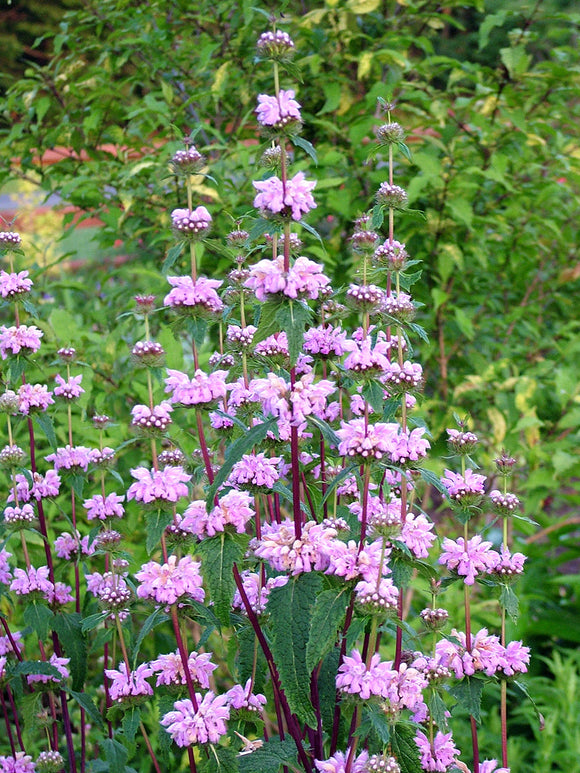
(276, 622)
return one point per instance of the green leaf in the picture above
(248, 650)
(218, 555)
(93, 621)
(402, 571)
(197, 328)
(437, 709)
(433, 480)
(290, 608)
(235, 452)
(172, 255)
(326, 431)
(29, 667)
(155, 618)
(262, 226)
(405, 749)
(156, 525)
(270, 757)
(306, 146)
(86, 702)
(293, 317)
(405, 151)
(374, 394)
(39, 617)
(328, 613)
(130, 723)
(378, 216)
(69, 629)
(115, 754)
(464, 323)
(509, 601)
(45, 423)
(374, 724)
(221, 759)
(468, 694)
(491, 21)
(268, 324)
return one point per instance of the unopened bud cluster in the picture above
(365, 297)
(382, 763)
(148, 354)
(67, 354)
(400, 307)
(390, 133)
(391, 254)
(392, 196)
(434, 619)
(49, 762)
(9, 240)
(11, 456)
(276, 45)
(504, 504)
(187, 161)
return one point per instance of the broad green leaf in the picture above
(249, 651)
(306, 146)
(69, 629)
(464, 323)
(130, 723)
(327, 615)
(86, 702)
(491, 21)
(172, 256)
(234, 453)
(92, 621)
(374, 724)
(270, 757)
(156, 524)
(290, 609)
(374, 394)
(405, 749)
(155, 618)
(220, 759)
(509, 601)
(45, 423)
(116, 755)
(218, 555)
(433, 480)
(293, 317)
(468, 694)
(39, 617)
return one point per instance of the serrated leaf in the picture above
(45, 423)
(234, 453)
(92, 621)
(437, 709)
(433, 480)
(260, 227)
(155, 618)
(86, 702)
(197, 328)
(270, 757)
(39, 617)
(509, 601)
(405, 151)
(221, 759)
(156, 523)
(292, 69)
(374, 723)
(377, 217)
(249, 651)
(306, 146)
(293, 317)
(17, 365)
(70, 632)
(468, 694)
(290, 609)
(327, 615)
(30, 667)
(327, 688)
(218, 555)
(172, 255)
(374, 394)
(418, 330)
(314, 232)
(130, 723)
(116, 755)
(405, 749)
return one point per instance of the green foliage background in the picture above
(489, 94)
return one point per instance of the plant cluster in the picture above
(289, 609)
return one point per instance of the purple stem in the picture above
(8, 727)
(291, 722)
(336, 717)
(16, 722)
(296, 509)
